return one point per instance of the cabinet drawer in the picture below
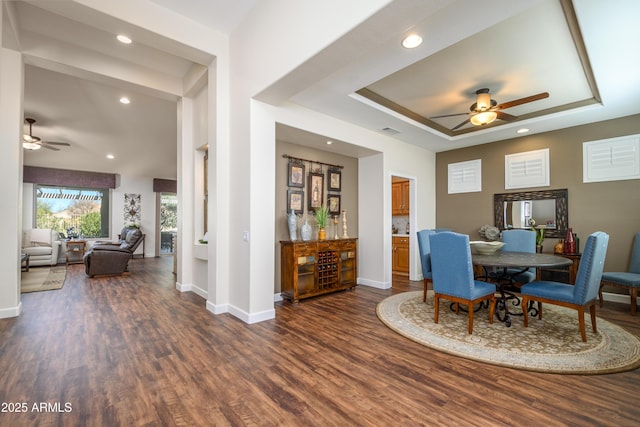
(349, 245)
(300, 249)
(324, 246)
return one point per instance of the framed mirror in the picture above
(548, 208)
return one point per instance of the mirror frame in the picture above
(562, 208)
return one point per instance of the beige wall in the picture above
(612, 207)
(348, 193)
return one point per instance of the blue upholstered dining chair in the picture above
(425, 258)
(452, 275)
(520, 241)
(629, 279)
(579, 296)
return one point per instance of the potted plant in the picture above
(539, 235)
(321, 215)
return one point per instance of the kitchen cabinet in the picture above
(400, 255)
(400, 198)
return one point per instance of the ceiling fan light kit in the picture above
(483, 118)
(31, 145)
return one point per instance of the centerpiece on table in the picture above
(490, 244)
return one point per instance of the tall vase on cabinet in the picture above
(292, 221)
(305, 230)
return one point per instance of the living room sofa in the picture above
(110, 258)
(42, 245)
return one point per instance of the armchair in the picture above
(579, 296)
(452, 275)
(630, 279)
(113, 257)
(42, 245)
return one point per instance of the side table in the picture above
(24, 258)
(76, 249)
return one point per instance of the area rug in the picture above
(42, 279)
(551, 345)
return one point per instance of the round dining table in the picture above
(521, 261)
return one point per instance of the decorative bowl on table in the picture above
(485, 248)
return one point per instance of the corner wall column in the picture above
(11, 90)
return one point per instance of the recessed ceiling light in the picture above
(110, 156)
(124, 100)
(123, 39)
(523, 130)
(412, 41)
(329, 142)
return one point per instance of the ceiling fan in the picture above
(31, 142)
(485, 110)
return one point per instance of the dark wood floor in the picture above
(132, 351)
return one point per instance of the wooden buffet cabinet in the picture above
(317, 267)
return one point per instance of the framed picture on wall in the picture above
(335, 179)
(333, 201)
(315, 188)
(295, 201)
(295, 174)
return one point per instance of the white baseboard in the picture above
(6, 313)
(192, 288)
(277, 297)
(619, 298)
(252, 317)
(373, 283)
(217, 309)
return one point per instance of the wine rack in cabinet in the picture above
(317, 267)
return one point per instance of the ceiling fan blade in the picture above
(460, 125)
(450, 115)
(66, 144)
(522, 101)
(504, 116)
(48, 147)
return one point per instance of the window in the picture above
(76, 212)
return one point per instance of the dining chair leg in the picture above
(492, 309)
(436, 308)
(470, 318)
(583, 333)
(600, 294)
(525, 315)
(539, 310)
(592, 309)
(634, 296)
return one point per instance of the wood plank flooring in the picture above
(132, 351)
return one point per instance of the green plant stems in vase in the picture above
(321, 215)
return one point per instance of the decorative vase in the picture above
(559, 247)
(344, 225)
(293, 225)
(322, 234)
(569, 242)
(539, 249)
(305, 230)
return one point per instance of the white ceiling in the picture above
(515, 49)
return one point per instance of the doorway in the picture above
(402, 224)
(168, 222)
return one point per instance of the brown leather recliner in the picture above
(111, 258)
